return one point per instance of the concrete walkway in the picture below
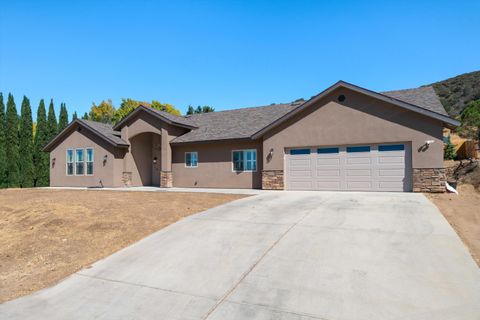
(284, 255)
(176, 189)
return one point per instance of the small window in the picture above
(69, 162)
(244, 160)
(79, 162)
(391, 147)
(90, 162)
(327, 150)
(359, 149)
(299, 151)
(191, 159)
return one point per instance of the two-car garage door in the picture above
(369, 167)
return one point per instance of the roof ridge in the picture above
(244, 108)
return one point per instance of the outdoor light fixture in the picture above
(53, 162)
(155, 160)
(429, 142)
(105, 158)
(271, 152)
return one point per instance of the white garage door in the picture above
(369, 167)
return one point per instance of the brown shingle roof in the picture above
(424, 97)
(233, 124)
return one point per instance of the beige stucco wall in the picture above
(358, 120)
(215, 166)
(103, 173)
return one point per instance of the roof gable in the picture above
(161, 115)
(447, 121)
(102, 130)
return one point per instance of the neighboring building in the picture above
(345, 138)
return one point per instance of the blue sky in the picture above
(228, 54)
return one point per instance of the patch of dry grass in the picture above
(463, 213)
(46, 235)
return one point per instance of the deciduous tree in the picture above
(103, 112)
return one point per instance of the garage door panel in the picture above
(328, 185)
(359, 172)
(389, 160)
(328, 161)
(359, 160)
(332, 172)
(369, 167)
(359, 185)
(391, 172)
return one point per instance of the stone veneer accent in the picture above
(272, 180)
(429, 180)
(127, 179)
(166, 179)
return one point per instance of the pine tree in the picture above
(3, 156)
(85, 116)
(63, 120)
(52, 126)
(13, 174)
(74, 116)
(40, 158)
(449, 152)
(26, 145)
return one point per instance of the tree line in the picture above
(106, 112)
(22, 162)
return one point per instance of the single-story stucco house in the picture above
(344, 138)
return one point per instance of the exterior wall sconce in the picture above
(155, 160)
(105, 157)
(270, 155)
(53, 162)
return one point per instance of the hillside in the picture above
(456, 92)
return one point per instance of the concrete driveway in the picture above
(280, 255)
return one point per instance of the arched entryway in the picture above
(145, 166)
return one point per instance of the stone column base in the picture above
(127, 179)
(272, 180)
(429, 180)
(166, 179)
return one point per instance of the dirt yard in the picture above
(46, 235)
(463, 213)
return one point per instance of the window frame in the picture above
(391, 147)
(196, 159)
(300, 151)
(67, 163)
(328, 150)
(358, 149)
(83, 162)
(245, 160)
(86, 162)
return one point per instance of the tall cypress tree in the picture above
(26, 145)
(63, 119)
(3, 156)
(74, 116)
(52, 126)
(13, 174)
(40, 158)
